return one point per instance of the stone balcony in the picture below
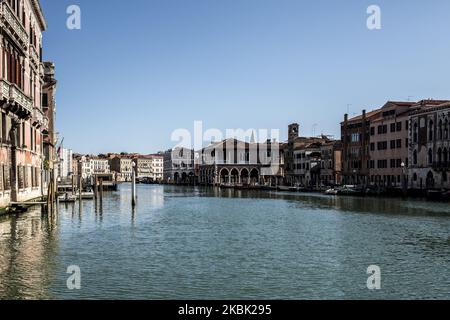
(39, 119)
(34, 57)
(17, 102)
(13, 26)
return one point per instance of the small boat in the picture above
(350, 191)
(87, 195)
(227, 186)
(332, 192)
(438, 195)
(268, 188)
(67, 198)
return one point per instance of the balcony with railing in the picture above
(34, 57)
(39, 119)
(17, 101)
(12, 24)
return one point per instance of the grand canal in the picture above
(194, 243)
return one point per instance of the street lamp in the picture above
(404, 187)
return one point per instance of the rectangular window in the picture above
(6, 177)
(355, 137)
(392, 127)
(32, 177)
(1, 178)
(20, 177)
(392, 163)
(4, 138)
(382, 145)
(399, 143)
(25, 177)
(392, 144)
(399, 126)
(44, 100)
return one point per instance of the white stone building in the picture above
(65, 163)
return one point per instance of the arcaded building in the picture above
(429, 157)
(23, 120)
(232, 162)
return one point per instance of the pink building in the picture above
(23, 121)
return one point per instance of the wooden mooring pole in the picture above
(101, 190)
(133, 187)
(80, 188)
(95, 188)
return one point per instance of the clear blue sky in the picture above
(139, 69)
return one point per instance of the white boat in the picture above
(87, 195)
(332, 192)
(67, 198)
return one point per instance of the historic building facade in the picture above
(89, 166)
(23, 122)
(429, 156)
(49, 133)
(179, 166)
(331, 163)
(237, 163)
(122, 167)
(355, 137)
(157, 167)
(389, 145)
(65, 164)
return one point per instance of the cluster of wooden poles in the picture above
(52, 193)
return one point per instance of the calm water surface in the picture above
(186, 243)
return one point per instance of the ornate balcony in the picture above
(13, 26)
(16, 101)
(39, 119)
(34, 57)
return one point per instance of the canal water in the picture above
(195, 243)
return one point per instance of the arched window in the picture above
(430, 156)
(446, 129)
(439, 154)
(440, 130)
(415, 177)
(430, 130)
(415, 132)
(415, 157)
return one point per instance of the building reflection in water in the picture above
(28, 247)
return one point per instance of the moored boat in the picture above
(67, 198)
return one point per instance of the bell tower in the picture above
(293, 131)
